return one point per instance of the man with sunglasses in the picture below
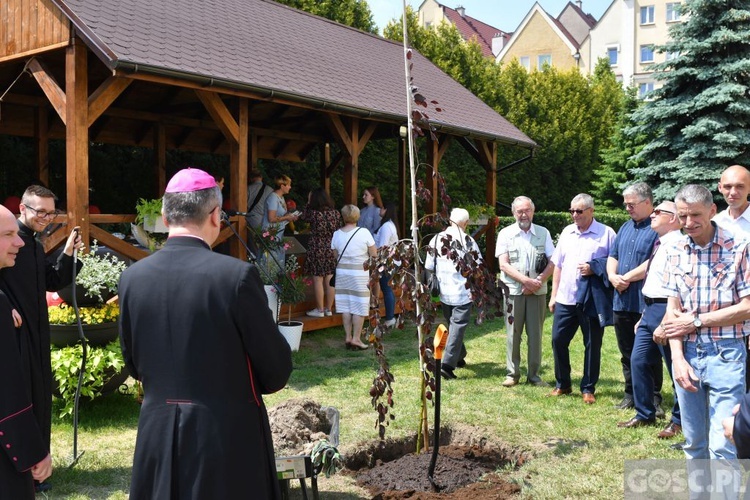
(26, 285)
(646, 352)
(632, 247)
(578, 298)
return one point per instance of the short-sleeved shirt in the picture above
(275, 202)
(708, 279)
(453, 291)
(653, 285)
(632, 247)
(739, 227)
(575, 247)
(523, 248)
(387, 235)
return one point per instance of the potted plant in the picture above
(293, 289)
(480, 214)
(149, 229)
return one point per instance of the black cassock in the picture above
(20, 437)
(195, 328)
(26, 285)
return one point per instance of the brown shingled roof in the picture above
(263, 45)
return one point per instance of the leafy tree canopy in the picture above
(354, 13)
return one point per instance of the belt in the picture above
(649, 301)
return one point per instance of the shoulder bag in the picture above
(332, 281)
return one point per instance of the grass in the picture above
(576, 450)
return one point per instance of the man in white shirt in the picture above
(646, 352)
(523, 250)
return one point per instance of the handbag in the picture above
(431, 280)
(332, 281)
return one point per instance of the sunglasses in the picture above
(631, 206)
(659, 211)
(577, 211)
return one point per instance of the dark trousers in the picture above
(458, 320)
(647, 354)
(565, 323)
(389, 299)
(625, 331)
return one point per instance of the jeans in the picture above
(458, 317)
(388, 297)
(720, 369)
(566, 321)
(645, 359)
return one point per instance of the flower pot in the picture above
(97, 335)
(83, 300)
(155, 224)
(273, 302)
(292, 332)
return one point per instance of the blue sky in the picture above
(503, 14)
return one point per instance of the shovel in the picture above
(441, 337)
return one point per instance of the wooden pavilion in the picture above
(251, 79)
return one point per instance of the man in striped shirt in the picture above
(707, 279)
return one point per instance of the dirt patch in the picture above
(466, 468)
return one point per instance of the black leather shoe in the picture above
(460, 363)
(625, 404)
(678, 446)
(42, 487)
(635, 422)
(447, 372)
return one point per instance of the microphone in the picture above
(231, 212)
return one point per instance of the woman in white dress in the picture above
(353, 247)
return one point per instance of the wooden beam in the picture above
(403, 175)
(351, 166)
(77, 136)
(117, 244)
(431, 171)
(341, 134)
(50, 87)
(325, 160)
(105, 95)
(160, 157)
(490, 151)
(367, 135)
(238, 177)
(252, 162)
(41, 144)
(333, 164)
(221, 115)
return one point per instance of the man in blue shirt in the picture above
(631, 248)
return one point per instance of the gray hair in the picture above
(190, 208)
(694, 193)
(584, 198)
(459, 215)
(641, 190)
(519, 199)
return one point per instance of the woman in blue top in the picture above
(369, 215)
(276, 216)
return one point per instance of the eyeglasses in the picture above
(631, 206)
(659, 211)
(577, 211)
(43, 214)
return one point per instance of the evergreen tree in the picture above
(699, 118)
(354, 13)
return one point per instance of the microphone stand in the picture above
(254, 259)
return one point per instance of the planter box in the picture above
(155, 225)
(97, 335)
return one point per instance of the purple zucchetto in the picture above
(190, 179)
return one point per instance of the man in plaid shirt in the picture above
(707, 279)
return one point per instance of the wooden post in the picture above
(77, 137)
(41, 144)
(238, 177)
(325, 161)
(491, 197)
(431, 170)
(160, 158)
(403, 189)
(351, 166)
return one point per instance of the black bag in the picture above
(541, 262)
(430, 279)
(332, 281)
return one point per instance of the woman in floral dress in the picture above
(320, 261)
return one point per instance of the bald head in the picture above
(10, 242)
(735, 186)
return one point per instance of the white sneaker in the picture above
(328, 312)
(316, 313)
(390, 323)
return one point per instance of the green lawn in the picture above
(577, 450)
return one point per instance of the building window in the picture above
(673, 12)
(644, 89)
(542, 60)
(525, 62)
(612, 54)
(647, 14)
(647, 54)
(671, 55)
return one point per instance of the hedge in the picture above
(555, 222)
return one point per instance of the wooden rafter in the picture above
(50, 87)
(221, 115)
(105, 95)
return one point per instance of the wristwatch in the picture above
(697, 323)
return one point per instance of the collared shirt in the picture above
(453, 291)
(739, 227)
(575, 247)
(523, 248)
(709, 278)
(653, 285)
(632, 247)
